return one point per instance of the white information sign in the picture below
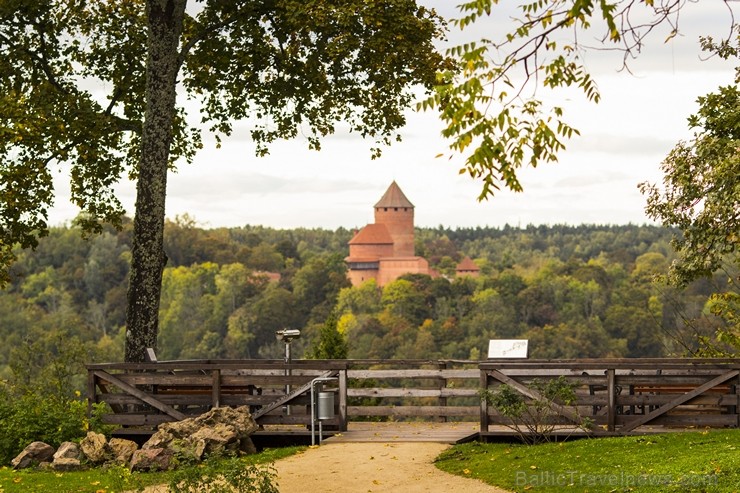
(507, 348)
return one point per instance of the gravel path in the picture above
(371, 467)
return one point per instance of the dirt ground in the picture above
(371, 467)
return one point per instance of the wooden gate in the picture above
(621, 395)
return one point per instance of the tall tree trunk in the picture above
(165, 21)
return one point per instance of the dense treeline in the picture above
(573, 291)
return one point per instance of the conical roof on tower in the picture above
(467, 265)
(394, 197)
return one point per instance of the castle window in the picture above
(395, 209)
(364, 265)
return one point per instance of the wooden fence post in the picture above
(483, 402)
(216, 388)
(611, 392)
(90, 392)
(442, 400)
(343, 399)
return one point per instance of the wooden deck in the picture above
(451, 433)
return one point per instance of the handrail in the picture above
(615, 388)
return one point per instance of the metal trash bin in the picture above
(325, 405)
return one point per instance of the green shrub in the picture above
(534, 420)
(220, 475)
(33, 417)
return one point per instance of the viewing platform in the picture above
(424, 400)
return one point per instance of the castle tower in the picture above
(396, 212)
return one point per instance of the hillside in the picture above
(573, 291)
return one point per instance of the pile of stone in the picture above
(221, 431)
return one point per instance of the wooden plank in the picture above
(207, 365)
(451, 433)
(165, 379)
(269, 380)
(293, 419)
(137, 419)
(668, 381)
(324, 365)
(430, 373)
(194, 400)
(680, 400)
(674, 420)
(410, 392)
(659, 400)
(172, 380)
(616, 363)
(415, 411)
(144, 397)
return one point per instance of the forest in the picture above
(572, 291)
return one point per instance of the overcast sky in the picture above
(623, 141)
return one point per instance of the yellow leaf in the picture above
(466, 471)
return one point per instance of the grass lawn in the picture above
(111, 480)
(701, 461)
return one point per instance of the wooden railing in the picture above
(413, 390)
(620, 395)
(146, 394)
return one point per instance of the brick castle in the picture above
(384, 250)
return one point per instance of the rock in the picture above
(66, 464)
(122, 450)
(95, 447)
(247, 446)
(216, 432)
(188, 448)
(67, 450)
(33, 454)
(218, 439)
(152, 459)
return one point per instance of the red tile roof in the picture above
(372, 234)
